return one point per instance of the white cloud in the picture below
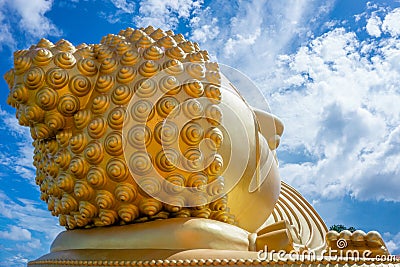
(391, 23)
(341, 114)
(20, 159)
(32, 16)
(392, 242)
(27, 17)
(373, 26)
(16, 233)
(166, 14)
(124, 5)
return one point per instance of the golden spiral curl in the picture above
(157, 34)
(44, 43)
(65, 182)
(145, 88)
(87, 67)
(34, 78)
(83, 190)
(193, 109)
(153, 53)
(187, 46)
(46, 98)
(54, 120)
(96, 177)
(193, 160)
(40, 131)
(122, 47)
(212, 66)
(175, 53)
(193, 88)
(34, 113)
(104, 83)
(166, 42)
(195, 57)
(142, 111)
(213, 114)
(173, 67)
(175, 203)
(215, 166)
(150, 206)
(166, 133)
(65, 60)
(197, 181)
(213, 93)
(100, 104)
(108, 65)
(201, 213)
(128, 212)
(167, 107)
(213, 77)
(121, 95)
(116, 118)
(169, 85)
(117, 169)
(57, 78)
(97, 127)
(64, 45)
(71, 223)
(220, 204)
(113, 144)
(148, 68)
(149, 185)
(87, 209)
(104, 199)
(19, 93)
(126, 74)
(130, 58)
(145, 41)
(125, 192)
(216, 187)
(42, 57)
(139, 136)
(64, 136)
(214, 138)
(167, 160)
(192, 133)
(174, 183)
(63, 158)
(94, 152)
(79, 167)
(80, 85)
(22, 64)
(196, 70)
(108, 217)
(78, 142)
(140, 163)
(68, 203)
(82, 118)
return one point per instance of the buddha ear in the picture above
(271, 127)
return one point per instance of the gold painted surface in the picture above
(142, 127)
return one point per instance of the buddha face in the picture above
(140, 127)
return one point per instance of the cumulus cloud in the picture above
(16, 233)
(373, 26)
(124, 5)
(392, 242)
(30, 16)
(166, 14)
(391, 23)
(338, 99)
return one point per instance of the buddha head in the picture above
(143, 126)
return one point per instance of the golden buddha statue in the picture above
(146, 151)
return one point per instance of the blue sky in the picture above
(329, 69)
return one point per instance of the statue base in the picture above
(195, 257)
